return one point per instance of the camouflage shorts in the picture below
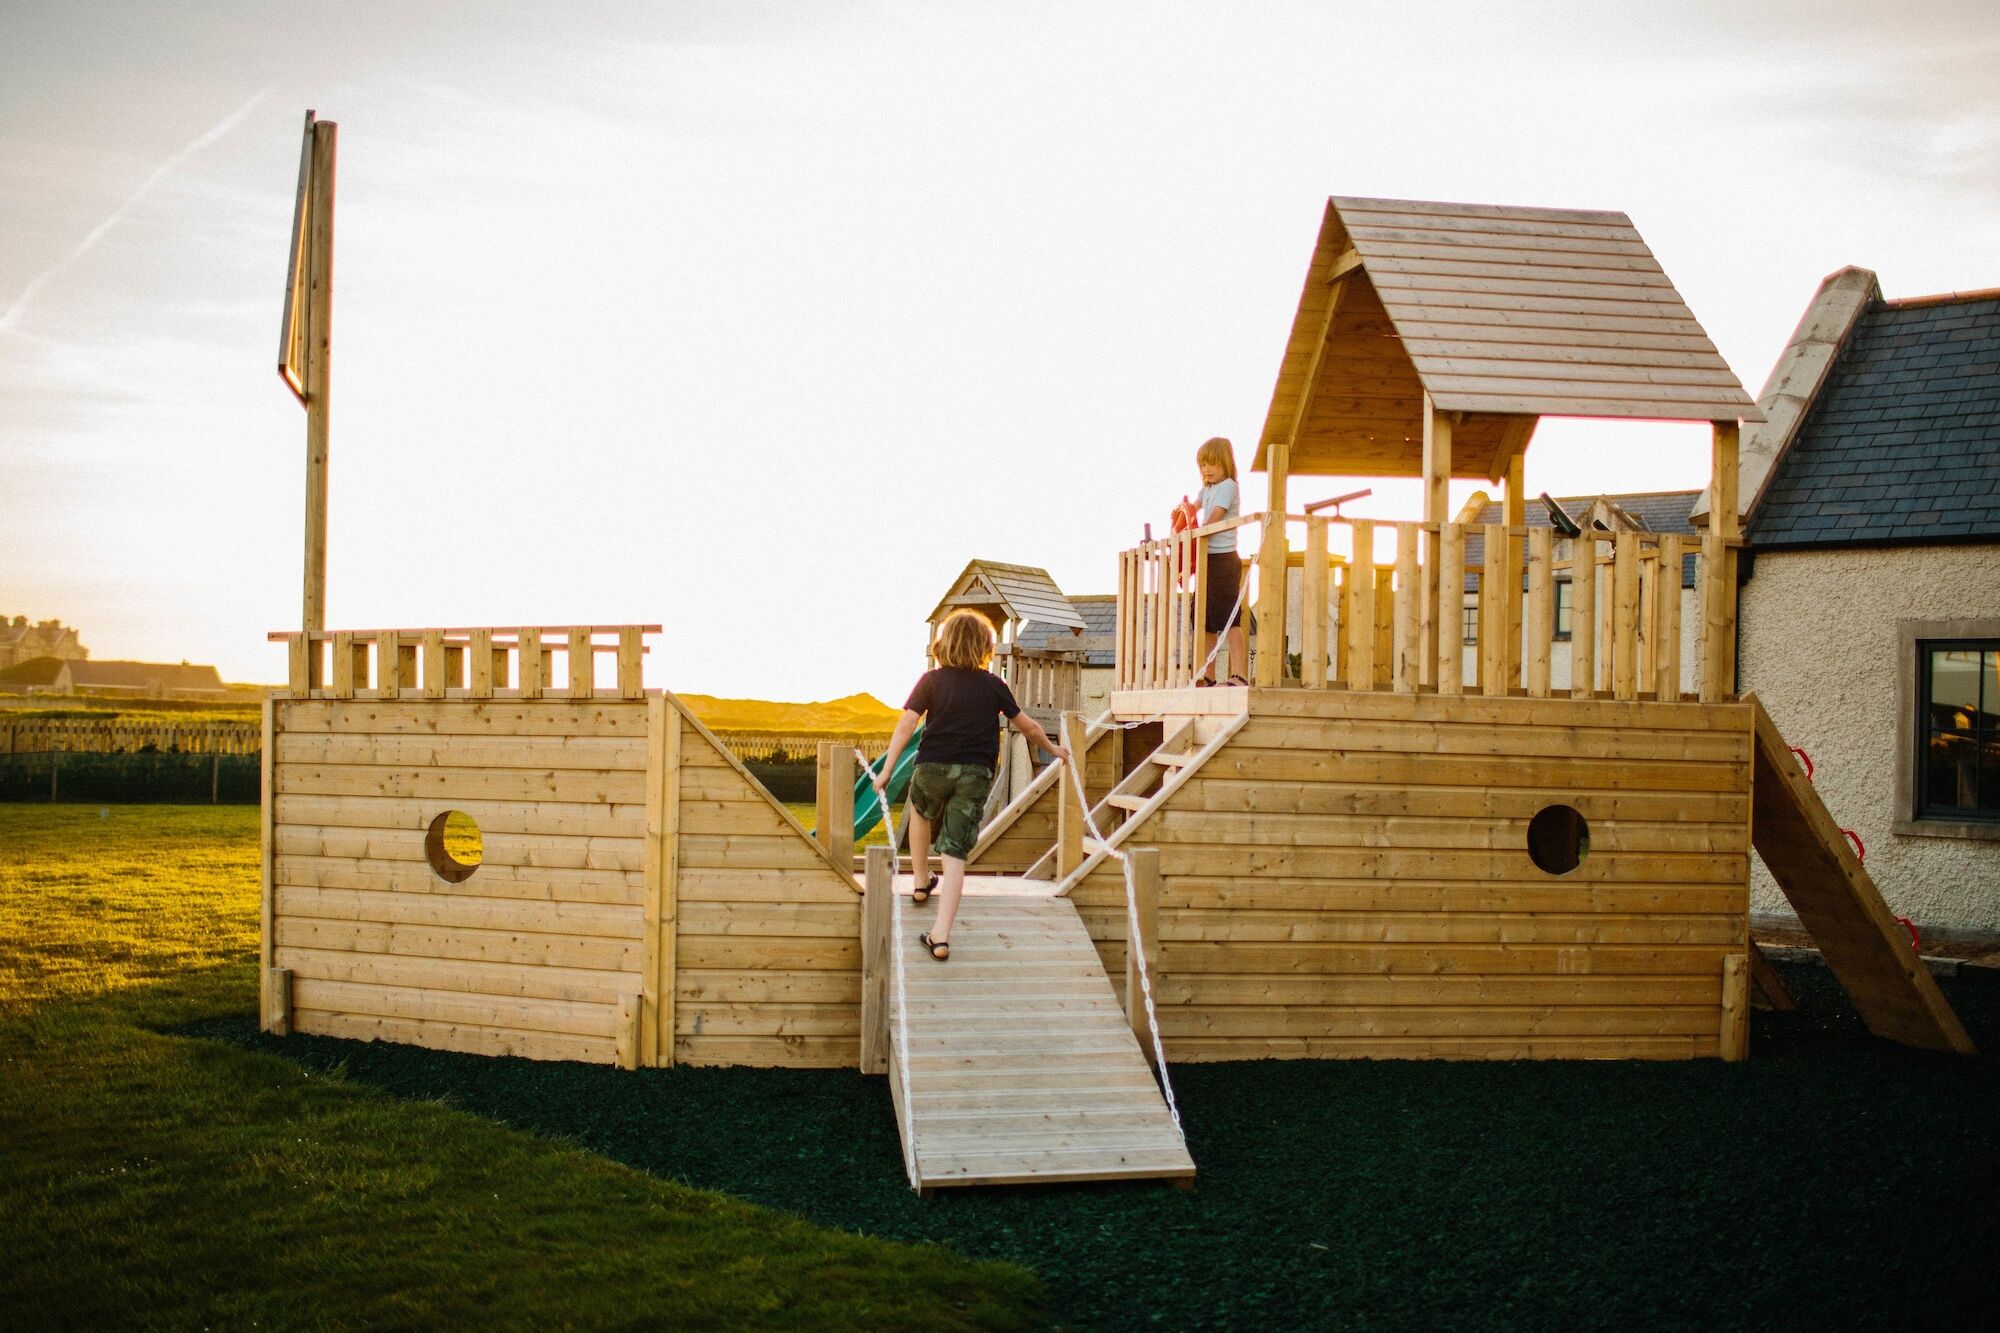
(951, 798)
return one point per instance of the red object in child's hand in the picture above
(1186, 515)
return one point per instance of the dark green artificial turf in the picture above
(1833, 1180)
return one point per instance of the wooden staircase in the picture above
(1014, 1063)
(1840, 906)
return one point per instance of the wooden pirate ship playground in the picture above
(1377, 849)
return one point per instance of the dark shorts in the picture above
(1225, 579)
(951, 798)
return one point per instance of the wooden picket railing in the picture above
(478, 663)
(62, 735)
(1042, 681)
(1380, 607)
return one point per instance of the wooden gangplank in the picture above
(1022, 1067)
(1839, 905)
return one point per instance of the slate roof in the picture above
(1100, 620)
(166, 676)
(1902, 444)
(1656, 511)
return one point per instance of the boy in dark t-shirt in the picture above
(962, 704)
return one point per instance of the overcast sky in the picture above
(759, 321)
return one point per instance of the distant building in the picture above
(21, 641)
(136, 680)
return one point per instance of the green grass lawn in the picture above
(149, 1177)
(1832, 1181)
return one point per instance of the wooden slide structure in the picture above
(1014, 1063)
(1839, 905)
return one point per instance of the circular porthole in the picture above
(1558, 839)
(453, 846)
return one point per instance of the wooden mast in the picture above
(305, 351)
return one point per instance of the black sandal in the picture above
(921, 894)
(934, 946)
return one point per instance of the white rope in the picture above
(901, 1026)
(1133, 946)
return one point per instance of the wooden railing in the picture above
(479, 663)
(1042, 681)
(1380, 607)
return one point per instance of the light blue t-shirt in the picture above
(1222, 495)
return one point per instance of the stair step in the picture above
(1174, 760)
(1124, 802)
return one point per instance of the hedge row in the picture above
(145, 778)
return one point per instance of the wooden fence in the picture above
(60, 735)
(467, 663)
(1041, 681)
(1381, 607)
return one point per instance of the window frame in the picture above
(1914, 639)
(1561, 629)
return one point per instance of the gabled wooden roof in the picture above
(1017, 592)
(1501, 314)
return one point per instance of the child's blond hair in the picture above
(1220, 451)
(965, 640)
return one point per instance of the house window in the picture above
(1958, 730)
(1469, 627)
(1563, 608)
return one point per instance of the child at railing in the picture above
(1223, 573)
(964, 703)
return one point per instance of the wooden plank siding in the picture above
(1349, 876)
(544, 950)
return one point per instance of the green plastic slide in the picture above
(868, 809)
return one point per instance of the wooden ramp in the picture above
(1840, 906)
(1022, 1067)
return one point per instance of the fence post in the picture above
(834, 800)
(1146, 894)
(1069, 810)
(878, 884)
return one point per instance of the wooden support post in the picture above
(1648, 617)
(1146, 896)
(1384, 628)
(1718, 569)
(631, 662)
(388, 665)
(406, 666)
(1069, 813)
(1156, 617)
(1361, 608)
(1735, 1033)
(1271, 575)
(1625, 616)
(343, 665)
(1450, 609)
(280, 990)
(267, 925)
(319, 363)
(433, 677)
(1122, 640)
(876, 961)
(1494, 677)
(1582, 617)
(1312, 614)
(630, 1008)
(528, 651)
(1514, 513)
(482, 664)
(1666, 627)
(582, 665)
(1407, 670)
(661, 858)
(1441, 607)
(834, 806)
(1541, 608)
(1198, 551)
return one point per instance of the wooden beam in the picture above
(1718, 581)
(1583, 616)
(1271, 579)
(876, 960)
(1440, 611)
(1406, 669)
(1450, 608)
(1146, 897)
(631, 660)
(631, 1010)
(1514, 513)
(1349, 260)
(267, 909)
(1625, 615)
(1069, 814)
(1734, 1037)
(319, 365)
(1361, 608)
(1312, 611)
(664, 907)
(1666, 627)
(1541, 609)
